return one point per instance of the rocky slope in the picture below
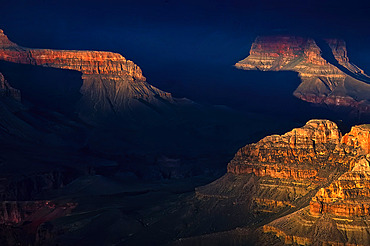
(314, 177)
(337, 215)
(333, 82)
(294, 165)
(112, 85)
(7, 91)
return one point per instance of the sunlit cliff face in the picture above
(112, 85)
(87, 62)
(313, 163)
(335, 82)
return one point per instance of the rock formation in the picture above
(323, 81)
(112, 85)
(294, 164)
(337, 215)
(314, 174)
(312, 145)
(311, 157)
(21, 221)
(339, 50)
(16, 213)
(358, 138)
(290, 167)
(7, 91)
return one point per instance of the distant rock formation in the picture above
(7, 91)
(112, 85)
(31, 218)
(333, 82)
(16, 213)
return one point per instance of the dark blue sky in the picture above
(188, 47)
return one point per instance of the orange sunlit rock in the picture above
(322, 82)
(112, 85)
(297, 154)
(341, 206)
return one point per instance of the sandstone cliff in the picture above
(290, 168)
(312, 166)
(313, 175)
(337, 215)
(112, 85)
(322, 82)
(294, 165)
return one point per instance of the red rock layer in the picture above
(322, 82)
(112, 85)
(275, 171)
(288, 53)
(34, 212)
(299, 153)
(336, 101)
(87, 62)
(339, 213)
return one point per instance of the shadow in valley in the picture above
(327, 54)
(46, 88)
(268, 94)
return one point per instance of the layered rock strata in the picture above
(339, 50)
(292, 155)
(289, 169)
(314, 174)
(348, 196)
(112, 85)
(322, 82)
(358, 138)
(310, 186)
(338, 214)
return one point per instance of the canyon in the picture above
(327, 76)
(105, 100)
(86, 174)
(169, 123)
(309, 186)
(104, 158)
